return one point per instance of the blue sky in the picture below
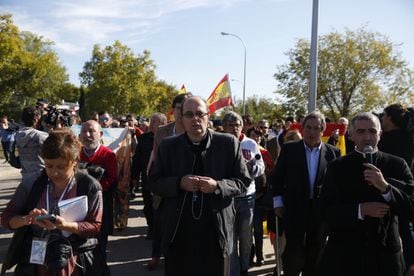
(184, 38)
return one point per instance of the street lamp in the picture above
(244, 71)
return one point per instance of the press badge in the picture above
(38, 252)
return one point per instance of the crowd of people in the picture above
(207, 188)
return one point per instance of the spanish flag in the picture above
(221, 95)
(330, 128)
(182, 90)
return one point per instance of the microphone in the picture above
(368, 151)
(256, 158)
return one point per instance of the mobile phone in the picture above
(50, 217)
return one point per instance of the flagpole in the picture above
(244, 69)
(313, 81)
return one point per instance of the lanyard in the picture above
(49, 192)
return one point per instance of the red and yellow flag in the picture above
(221, 95)
(330, 128)
(182, 90)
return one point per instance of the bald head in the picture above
(91, 133)
(195, 118)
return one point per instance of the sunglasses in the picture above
(198, 114)
(103, 119)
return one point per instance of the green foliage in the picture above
(357, 71)
(121, 82)
(257, 107)
(29, 69)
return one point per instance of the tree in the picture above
(121, 82)
(29, 68)
(257, 107)
(12, 60)
(357, 71)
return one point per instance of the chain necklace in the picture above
(194, 199)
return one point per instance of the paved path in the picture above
(128, 250)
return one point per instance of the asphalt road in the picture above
(128, 250)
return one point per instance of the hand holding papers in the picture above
(73, 209)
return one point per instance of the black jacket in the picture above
(291, 181)
(370, 246)
(222, 160)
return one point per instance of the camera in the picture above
(56, 115)
(93, 170)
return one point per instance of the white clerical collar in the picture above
(375, 150)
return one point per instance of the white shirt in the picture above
(312, 161)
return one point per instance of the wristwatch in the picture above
(217, 191)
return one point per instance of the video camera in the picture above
(93, 170)
(55, 115)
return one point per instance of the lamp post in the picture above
(244, 70)
(313, 79)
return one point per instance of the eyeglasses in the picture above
(263, 127)
(104, 119)
(198, 114)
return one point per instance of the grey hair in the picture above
(232, 116)
(161, 116)
(365, 116)
(315, 115)
(345, 120)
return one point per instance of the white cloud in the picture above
(77, 24)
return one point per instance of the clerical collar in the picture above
(202, 142)
(363, 153)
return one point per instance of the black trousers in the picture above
(148, 208)
(178, 263)
(107, 227)
(303, 253)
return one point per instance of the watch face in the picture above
(217, 191)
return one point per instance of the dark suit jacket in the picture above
(163, 132)
(290, 180)
(370, 246)
(222, 160)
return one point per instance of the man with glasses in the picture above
(244, 203)
(105, 119)
(263, 125)
(197, 174)
(170, 129)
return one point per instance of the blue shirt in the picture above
(6, 135)
(312, 160)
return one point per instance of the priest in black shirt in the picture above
(198, 173)
(362, 204)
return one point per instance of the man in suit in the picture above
(173, 128)
(363, 201)
(297, 180)
(164, 131)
